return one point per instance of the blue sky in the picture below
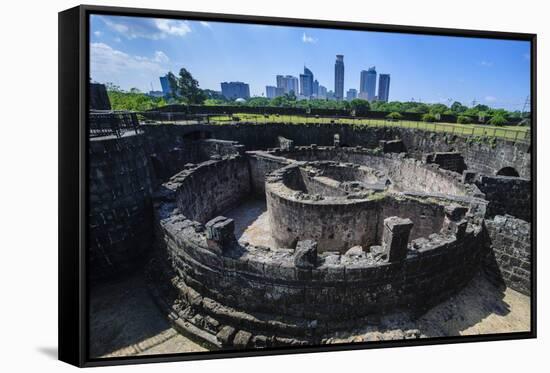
(134, 52)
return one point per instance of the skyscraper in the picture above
(272, 92)
(288, 83)
(339, 77)
(351, 94)
(384, 87)
(234, 90)
(315, 88)
(165, 85)
(322, 92)
(367, 85)
(306, 83)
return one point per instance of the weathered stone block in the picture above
(305, 254)
(285, 144)
(226, 334)
(242, 339)
(220, 232)
(469, 177)
(336, 140)
(455, 212)
(396, 237)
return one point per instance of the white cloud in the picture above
(106, 62)
(205, 24)
(308, 38)
(147, 28)
(486, 63)
(172, 27)
(98, 33)
(490, 98)
(161, 57)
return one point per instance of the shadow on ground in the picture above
(50, 352)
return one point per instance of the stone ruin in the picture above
(354, 231)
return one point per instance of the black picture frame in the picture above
(73, 187)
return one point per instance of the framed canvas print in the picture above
(241, 185)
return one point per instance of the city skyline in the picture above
(135, 52)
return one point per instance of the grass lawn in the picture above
(507, 132)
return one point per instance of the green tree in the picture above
(498, 120)
(394, 116)
(463, 119)
(458, 108)
(360, 106)
(429, 117)
(185, 87)
(438, 108)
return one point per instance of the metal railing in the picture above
(107, 123)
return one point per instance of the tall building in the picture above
(339, 77)
(367, 85)
(315, 88)
(384, 87)
(322, 92)
(272, 92)
(351, 94)
(288, 83)
(306, 83)
(165, 85)
(234, 90)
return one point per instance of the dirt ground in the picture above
(124, 321)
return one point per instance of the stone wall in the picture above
(487, 156)
(211, 187)
(507, 195)
(336, 224)
(510, 259)
(98, 98)
(261, 164)
(262, 297)
(483, 155)
(120, 217)
(410, 174)
(451, 161)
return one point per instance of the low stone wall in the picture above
(120, 216)
(507, 195)
(247, 296)
(451, 161)
(335, 223)
(210, 187)
(510, 258)
(408, 173)
(260, 164)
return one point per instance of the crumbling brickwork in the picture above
(510, 258)
(362, 224)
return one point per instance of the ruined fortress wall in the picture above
(507, 195)
(120, 216)
(260, 165)
(334, 225)
(480, 155)
(213, 187)
(275, 297)
(410, 174)
(426, 217)
(510, 259)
